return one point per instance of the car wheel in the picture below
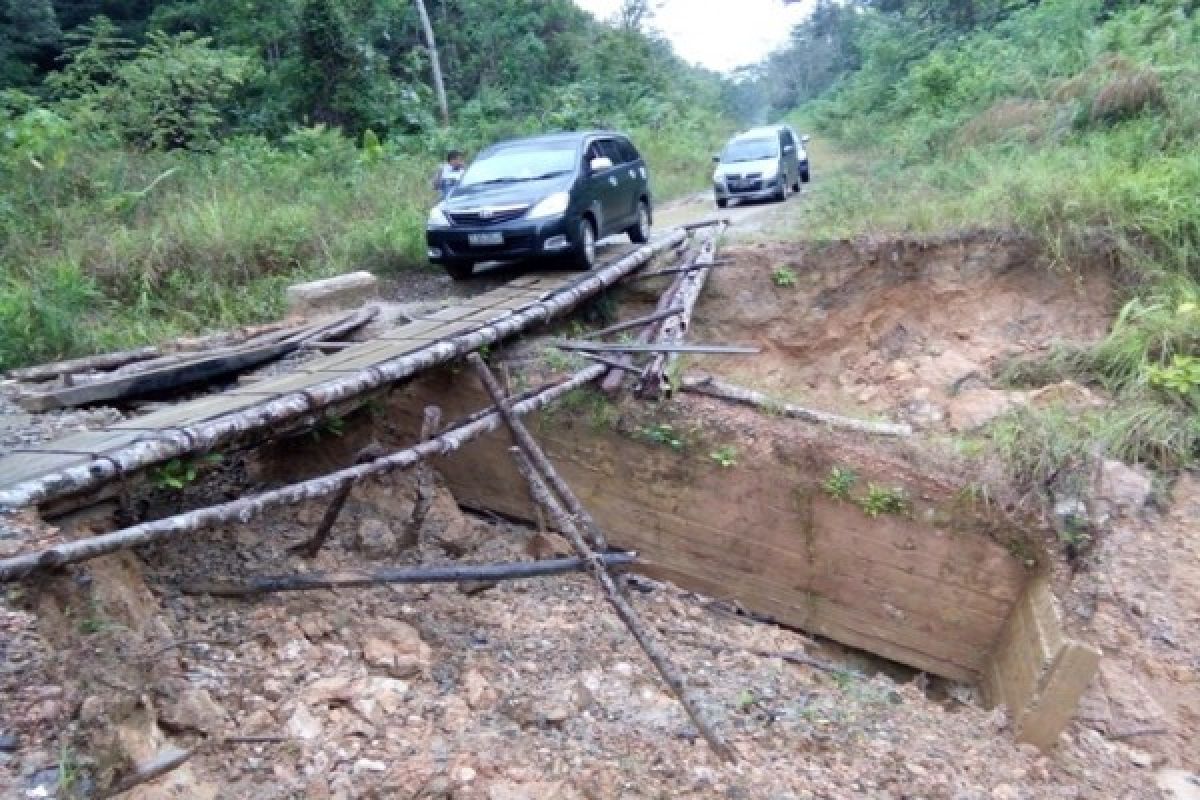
(460, 271)
(722, 202)
(804, 175)
(640, 233)
(584, 257)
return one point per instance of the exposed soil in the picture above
(534, 689)
(525, 690)
(917, 330)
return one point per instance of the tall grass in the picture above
(1075, 126)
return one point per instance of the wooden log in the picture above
(247, 508)
(633, 323)
(536, 455)
(606, 347)
(360, 578)
(425, 488)
(178, 372)
(310, 548)
(707, 223)
(708, 385)
(613, 364)
(103, 361)
(170, 759)
(625, 611)
(654, 382)
(615, 379)
(213, 434)
(677, 270)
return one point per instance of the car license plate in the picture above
(485, 239)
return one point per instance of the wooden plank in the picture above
(141, 384)
(824, 618)
(277, 385)
(194, 411)
(364, 359)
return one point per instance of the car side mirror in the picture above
(600, 164)
(805, 138)
(716, 159)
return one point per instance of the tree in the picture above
(435, 64)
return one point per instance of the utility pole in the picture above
(431, 44)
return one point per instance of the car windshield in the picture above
(749, 150)
(516, 164)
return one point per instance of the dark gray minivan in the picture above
(550, 196)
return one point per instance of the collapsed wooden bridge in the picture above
(957, 610)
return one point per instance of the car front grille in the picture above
(485, 216)
(751, 182)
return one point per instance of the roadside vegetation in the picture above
(172, 168)
(1078, 122)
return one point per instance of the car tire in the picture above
(804, 175)
(584, 257)
(640, 233)
(460, 271)
(722, 202)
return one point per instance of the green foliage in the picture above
(884, 500)
(663, 434)
(840, 482)
(1181, 377)
(783, 277)
(725, 456)
(181, 472)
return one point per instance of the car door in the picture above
(633, 178)
(605, 186)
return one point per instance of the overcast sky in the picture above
(718, 34)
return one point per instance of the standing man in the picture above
(448, 174)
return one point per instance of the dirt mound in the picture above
(914, 329)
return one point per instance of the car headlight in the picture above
(718, 177)
(552, 206)
(437, 218)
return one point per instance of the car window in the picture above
(610, 148)
(629, 153)
(750, 150)
(517, 164)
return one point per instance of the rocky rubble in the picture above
(524, 690)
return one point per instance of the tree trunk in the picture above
(434, 62)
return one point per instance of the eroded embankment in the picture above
(916, 329)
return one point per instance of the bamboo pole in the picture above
(633, 323)
(707, 385)
(605, 347)
(361, 578)
(310, 548)
(654, 381)
(425, 490)
(566, 526)
(247, 508)
(214, 434)
(533, 451)
(615, 379)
